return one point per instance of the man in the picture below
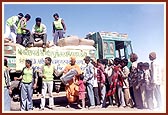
(11, 26)
(156, 78)
(133, 74)
(6, 85)
(101, 79)
(39, 31)
(28, 83)
(23, 32)
(89, 80)
(47, 84)
(59, 28)
(71, 88)
(95, 84)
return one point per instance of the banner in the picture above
(60, 57)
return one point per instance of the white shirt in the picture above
(95, 84)
(147, 75)
(157, 75)
(109, 71)
(149, 86)
(134, 65)
(125, 73)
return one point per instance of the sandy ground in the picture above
(60, 107)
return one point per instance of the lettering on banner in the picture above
(59, 57)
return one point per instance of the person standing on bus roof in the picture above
(59, 28)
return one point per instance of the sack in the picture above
(69, 41)
(25, 41)
(68, 76)
(38, 43)
(86, 42)
(50, 44)
(124, 36)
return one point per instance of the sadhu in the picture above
(70, 78)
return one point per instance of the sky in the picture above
(144, 23)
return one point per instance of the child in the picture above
(125, 72)
(149, 86)
(136, 86)
(141, 84)
(82, 90)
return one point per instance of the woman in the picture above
(28, 82)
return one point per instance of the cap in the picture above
(20, 15)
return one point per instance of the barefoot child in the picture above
(82, 90)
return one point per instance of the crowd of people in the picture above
(101, 84)
(16, 27)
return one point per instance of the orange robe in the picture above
(72, 89)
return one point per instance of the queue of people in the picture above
(102, 83)
(16, 27)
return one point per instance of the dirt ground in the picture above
(60, 103)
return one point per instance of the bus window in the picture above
(129, 49)
(105, 47)
(120, 53)
(111, 48)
